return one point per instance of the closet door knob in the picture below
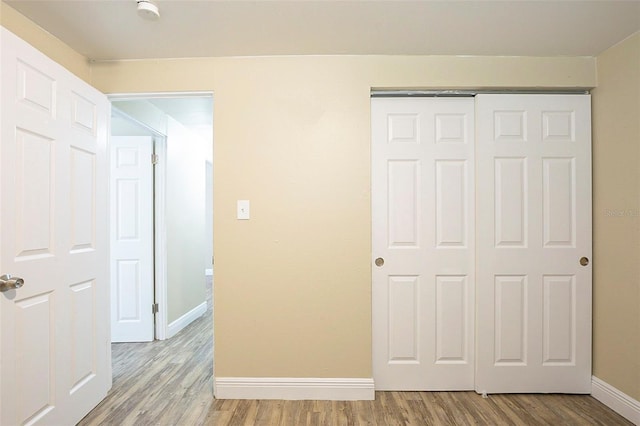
(379, 261)
(584, 261)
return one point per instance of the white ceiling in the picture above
(104, 30)
(191, 111)
(194, 112)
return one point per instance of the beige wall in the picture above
(616, 175)
(45, 42)
(292, 134)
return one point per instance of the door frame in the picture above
(159, 184)
(160, 238)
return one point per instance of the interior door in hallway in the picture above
(55, 355)
(132, 265)
(533, 243)
(423, 243)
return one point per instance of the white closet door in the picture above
(534, 226)
(423, 228)
(55, 353)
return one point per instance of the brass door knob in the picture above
(379, 261)
(584, 261)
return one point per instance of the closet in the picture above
(481, 243)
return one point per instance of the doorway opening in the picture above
(161, 184)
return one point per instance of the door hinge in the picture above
(154, 308)
(154, 158)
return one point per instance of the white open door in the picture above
(131, 239)
(533, 243)
(423, 242)
(55, 359)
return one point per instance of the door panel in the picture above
(511, 319)
(422, 203)
(83, 203)
(534, 224)
(511, 202)
(131, 239)
(451, 203)
(559, 202)
(559, 325)
(34, 198)
(451, 314)
(54, 339)
(404, 192)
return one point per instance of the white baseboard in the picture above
(618, 401)
(186, 319)
(340, 389)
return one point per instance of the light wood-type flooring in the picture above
(170, 383)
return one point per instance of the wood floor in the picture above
(170, 383)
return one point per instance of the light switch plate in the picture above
(243, 210)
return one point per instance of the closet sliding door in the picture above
(533, 293)
(423, 243)
(481, 241)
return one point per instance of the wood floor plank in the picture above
(169, 383)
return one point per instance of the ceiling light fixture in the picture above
(148, 10)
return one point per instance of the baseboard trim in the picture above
(177, 325)
(337, 389)
(618, 401)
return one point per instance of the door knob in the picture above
(584, 261)
(7, 282)
(379, 261)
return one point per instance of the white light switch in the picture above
(243, 209)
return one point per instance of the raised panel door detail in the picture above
(404, 190)
(451, 203)
(127, 157)
(83, 114)
(83, 203)
(510, 126)
(35, 343)
(83, 360)
(451, 128)
(558, 126)
(36, 89)
(128, 290)
(510, 319)
(559, 320)
(559, 202)
(510, 202)
(403, 128)
(127, 209)
(34, 199)
(451, 319)
(403, 319)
